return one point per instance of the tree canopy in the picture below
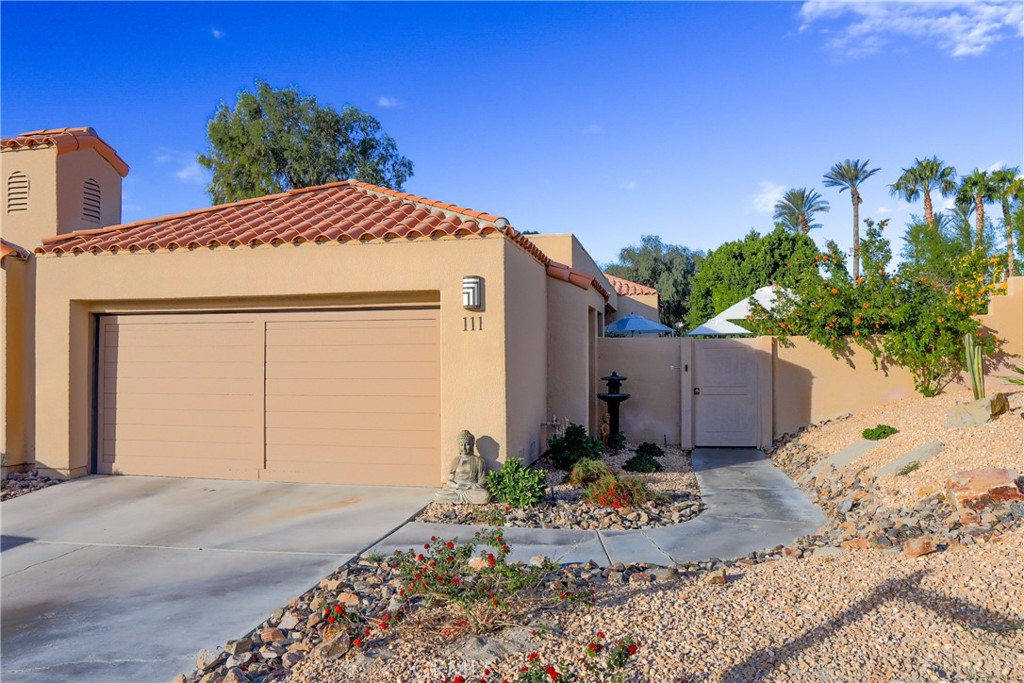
(668, 268)
(797, 209)
(277, 140)
(735, 270)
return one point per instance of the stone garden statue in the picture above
(467, 476)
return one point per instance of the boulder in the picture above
(207, 659)
(290, 659)
(977, 412)
(348, 599)
(718, 577)
(235, 675)
(916, 547)
(270, 635)
(237, 647)
(335, 646)
(792, 553)
(978, 489)
(289, 621)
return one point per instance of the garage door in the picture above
(336, 397)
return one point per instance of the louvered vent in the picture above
(17, 192)
(91, 201)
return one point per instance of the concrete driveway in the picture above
(125, 578)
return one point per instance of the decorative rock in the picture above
(348, 599)
(207, 659)
(180, 678)
(792, 553)
(235, 675)
(664, 574)
(290, 659)
(336, 646)
(977, 412)
(978, 489)
(538, 561)
(330, 584)
(289, 621)
(237, 647)
(477, 563)
(717, 577)
(271, 635)
(856, 544)
(916, 547)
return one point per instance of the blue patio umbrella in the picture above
(633, 325)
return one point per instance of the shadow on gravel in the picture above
(624, 597)
(906, 590)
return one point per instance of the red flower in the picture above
(357, 642)
(504, 548)
(339, 609)
(632, 649)
(458, 679)
(419, 558)
(455, 580)
(533, 656)
(330, 619)
(426, 546)
(490, 559)
(366, 633)
(600, 634)
(383, 626)
(551, 672)
(450, 545)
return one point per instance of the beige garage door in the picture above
(336, 397)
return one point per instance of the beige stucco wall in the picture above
(73, 168)
(27, 228)
(16, 369)
(572, 334)
(526, 351)
(643, 305)
(565, 248)
(1006, 317)
(473, 375)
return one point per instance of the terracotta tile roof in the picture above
(68, 140)
(627, 288)
(338, 212)
(8, 249)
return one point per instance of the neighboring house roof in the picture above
(337, 212)
(626, 288)
(68, 140)
(8, 249)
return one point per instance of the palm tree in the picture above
(848, 175)
(977, 188)
(925, 176)
(1006, 180)
(797, 207)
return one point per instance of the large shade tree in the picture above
(797, 209)
(848, 175)
(923, 178)
(1006, 181)
(668, 268)
(277, 140)
(977, 188)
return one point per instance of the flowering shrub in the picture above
(618, 492)
(906, 318)
(517, 485)
(480, 585)
(600, 660)
(586, 472)
(573, 446)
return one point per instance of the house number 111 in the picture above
(473, 323)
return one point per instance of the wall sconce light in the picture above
(473, 292)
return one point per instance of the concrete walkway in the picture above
(749, 505)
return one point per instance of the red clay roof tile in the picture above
(68, 140)
(8, 249)
(336, 212)
(627, 288)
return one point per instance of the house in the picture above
(340, 334)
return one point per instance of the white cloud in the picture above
(390, 102)
(186, 167)
(884, 209)
(947, 203)
(996, 166)
(592, 129)
(960, 28)
(629, 185)
(768, 194)
(216, 32)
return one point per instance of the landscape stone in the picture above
(336, 646)
(290, 659)
(348, 599)
(235, 675)
(978, 489)
(977, 412)
(289, 621)
(239, 646)
(271, 635)
(916, 547)
(717, 577)
(921, 454)
(207, 659)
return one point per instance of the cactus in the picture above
(975, 369)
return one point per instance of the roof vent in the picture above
(17, 192)
(91, 201)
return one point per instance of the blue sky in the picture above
(610, 120)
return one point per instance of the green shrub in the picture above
(650, 449)
(586, 472)
(908, 468)
(878, 432)
(573, 446)
(517, 485)
(616, 492)
(643, 463)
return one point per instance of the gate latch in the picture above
(696, 391)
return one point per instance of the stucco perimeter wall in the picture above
(646, 306)
(526, 353)
(655, 372)
(16, 307)
(473, 387)
(1006, 318)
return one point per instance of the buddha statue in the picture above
(467, 476)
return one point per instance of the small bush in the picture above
(586, 472)
(517, 485)
(878, 432)
(650, 449)
(643, 463)
(908, 468)
(573, 446)
(615, 492)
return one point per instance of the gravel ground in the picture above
(857, 616)
(565, 508)
(999, 443)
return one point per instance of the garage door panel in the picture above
(394, 405)
(367, 352)
(362, 388)
(362, 438)
(182, 353)
(181, 386)
(399, 474)
(425, 421)
(172, 334)
(182, 417)
(145, 449)
(352, 457)
(194, 433)
(353, 369)
(212, 404)
(404, 334)
(170, 369)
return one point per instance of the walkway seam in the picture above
(604, 548)
(194, 548)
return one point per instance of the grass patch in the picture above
(908, 468)
(878, 432)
